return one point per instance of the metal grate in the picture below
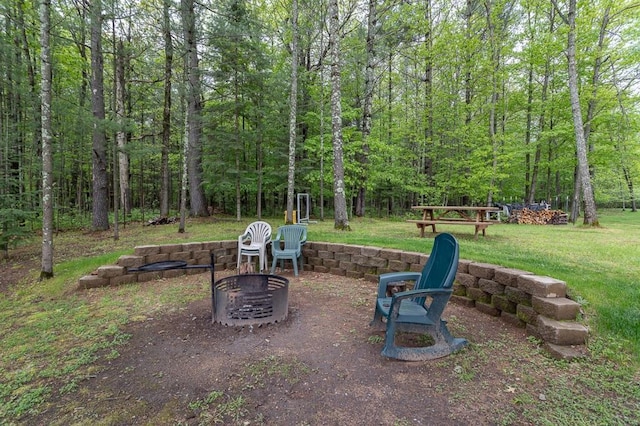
(250, 299)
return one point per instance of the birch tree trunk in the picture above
(590, 214)
(100, 178)
(121, 135)
(339, 196)
(47, 158)
(184, 181)
(293, 112)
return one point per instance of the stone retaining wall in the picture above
(538, 303)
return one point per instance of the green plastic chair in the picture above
(288, 246)
(419, 310)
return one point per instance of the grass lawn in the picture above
(601, 266)
(51, 337)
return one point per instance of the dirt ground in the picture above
(321, 366)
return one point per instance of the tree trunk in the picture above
(629, 182)
(620, 146)
(47, 151)
(293, 112)
(590, 214)
(495, 62)
(541, 127)
(239, 151)
(77, 171)
(100, 178)
(428, 150)
(367, 101)
(166, 110)
(260, 171)
(194, 107)
(185, 175)
(33, 85)
(121, 134)
(527, 138)
(595, 81)
(322, 121)
(339, 196)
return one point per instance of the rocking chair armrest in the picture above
(396, 299)
(392, 277)
(411, 294)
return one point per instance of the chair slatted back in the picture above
(259, 232)
(292, 235)
(442, 265)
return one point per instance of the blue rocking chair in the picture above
(419, 310)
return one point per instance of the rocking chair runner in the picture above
(408, 311)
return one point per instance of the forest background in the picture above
(233, 106)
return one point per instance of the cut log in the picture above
(540, 217)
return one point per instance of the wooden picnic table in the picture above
(454, 215)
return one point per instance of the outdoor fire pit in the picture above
(250, 299)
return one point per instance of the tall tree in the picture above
(429, 151)
(31, 75)
(339, 197)
(184, 182)
(100, 178)
(121, 134)
(621, 137)
(494, 46)
(166, 109)
(198, 205)
(367, 101)
(79, 173)
(293, 111)
(47, 160)
(532, 169)
(590, 213)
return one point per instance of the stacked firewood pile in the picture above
(163, 221)
(539, 217)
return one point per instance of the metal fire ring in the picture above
(250, 299)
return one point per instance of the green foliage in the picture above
(439, 78)
(15, 226)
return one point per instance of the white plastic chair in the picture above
(254, 242)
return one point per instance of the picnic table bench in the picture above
(454, 215)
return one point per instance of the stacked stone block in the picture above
(521, 298)
(192, 253)
(538, 303)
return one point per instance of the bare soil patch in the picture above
(321, 366)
